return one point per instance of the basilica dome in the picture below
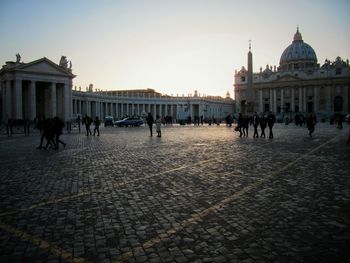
(298, 55)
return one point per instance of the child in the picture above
(158, 124)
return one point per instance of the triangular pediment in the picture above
(44, 66)
(286, 78)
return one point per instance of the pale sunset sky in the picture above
(174, 47)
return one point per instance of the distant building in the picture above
(37, 88)
(44, 88)
(121, 103)
(299, 84)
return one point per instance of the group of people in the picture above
(268, 120)
(87, 121)
(150, 121)
(51, 130)
(257, 121)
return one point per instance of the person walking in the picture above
(310, 123)
(246, 121)
(263, 123)
(87, 121)
(340, 121)
(97, 126)
(58, 129)
(158, 126)
(240, 124)
(150, 120)
(256, 121)
(271, 119)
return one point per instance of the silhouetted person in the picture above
(97, 126)
(87, 121)
(340, 122)
(47, 131)
(311, 122)
(245, 125)
(240, 124)
(150, 120)
(256, 121)
(40, 126)
(263, 124)
(271, 119)
(57, 130)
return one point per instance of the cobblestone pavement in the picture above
(198, 194)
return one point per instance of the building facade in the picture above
(298, 85)
(122, 103)
(38, 88)
(44, 89)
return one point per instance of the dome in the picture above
(298, 55)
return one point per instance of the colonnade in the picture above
(92, 105)
(25, 98)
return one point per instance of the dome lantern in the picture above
(297, 36)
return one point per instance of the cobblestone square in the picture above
(197, 194)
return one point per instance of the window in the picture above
(243, 78)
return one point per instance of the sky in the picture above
(172, 46)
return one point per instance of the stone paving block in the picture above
(197, 194)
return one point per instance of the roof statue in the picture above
(18, 58)
(64, 62)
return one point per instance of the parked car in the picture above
(347, 118)
(131, 121)
(109, 121)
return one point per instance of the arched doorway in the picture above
(338, 104)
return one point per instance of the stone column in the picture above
(155, 111)
(300, 99)
(53, 100)
(315, 100)
(32, 92)
(261, 109)
(282, 102)
(66, 102)
(8, 100)
(304, 99)
(128, 109)
(75, 107)
(292, 100)
(3, 96)
(274, 101)
(271, 101)
(346, 99)
(328, 100)
(116, 110)
(18, 99)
